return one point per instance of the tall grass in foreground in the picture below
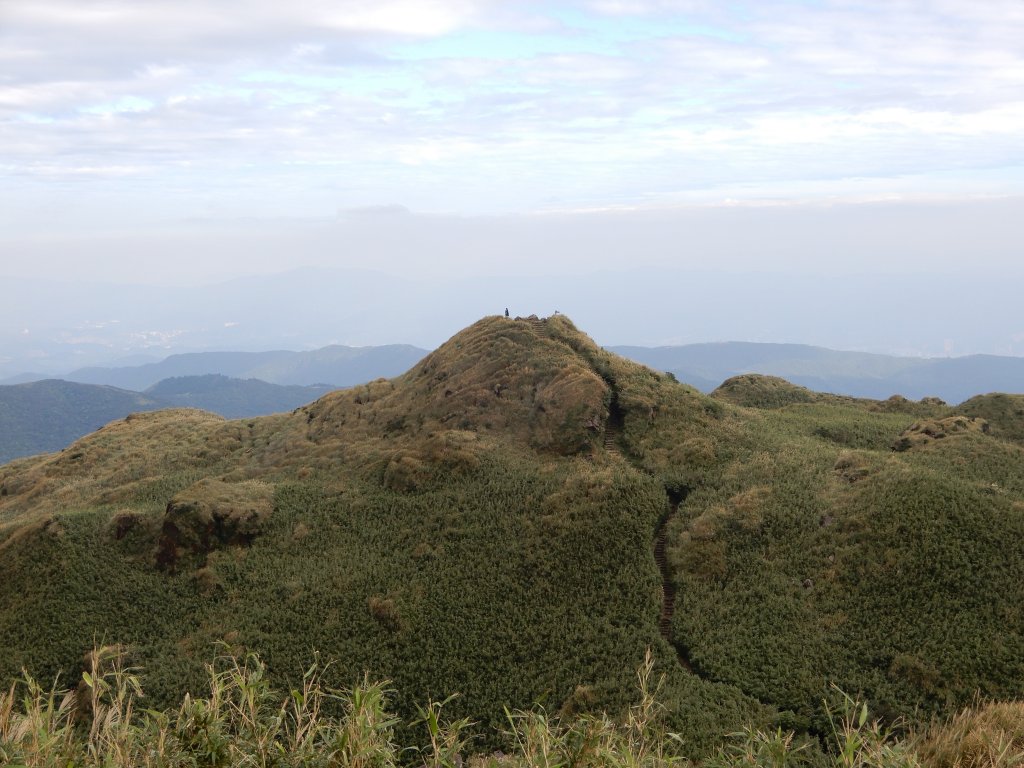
(243, 721)
(984, 735)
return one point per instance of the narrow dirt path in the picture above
(668, 589)
(612, 444)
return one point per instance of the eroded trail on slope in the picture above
(668, 589)
(612, 438)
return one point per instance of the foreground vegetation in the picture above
(242, 720)
(485, 524)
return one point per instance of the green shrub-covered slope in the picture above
(485, 524)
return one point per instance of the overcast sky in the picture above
(190, 140)
(191, 108)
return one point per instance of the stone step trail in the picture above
(538, 324)
(612, 433)
(668, 589)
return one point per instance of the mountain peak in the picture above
(529, 384)
(530, 379)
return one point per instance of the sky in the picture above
(186, 141)
(252, 108)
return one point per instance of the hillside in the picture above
(335, 365)
(233, 398)
(856, 374)
(517, 518)
(48, 415)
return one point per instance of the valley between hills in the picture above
(522, 517)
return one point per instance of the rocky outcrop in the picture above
(211, 515)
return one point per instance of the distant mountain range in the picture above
(705, 366)
(52, 326)
(334, 365)
(858, 374)
(38, 416)
(45, 416)
(234, 398)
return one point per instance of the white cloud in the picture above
(436, 151)
(402, 17)
(247, 107)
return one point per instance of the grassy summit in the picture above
(487, 524)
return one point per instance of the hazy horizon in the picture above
(311, 307)
(861, 162)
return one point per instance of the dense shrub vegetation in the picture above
(484, 525)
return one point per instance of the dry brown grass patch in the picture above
(984, 736)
